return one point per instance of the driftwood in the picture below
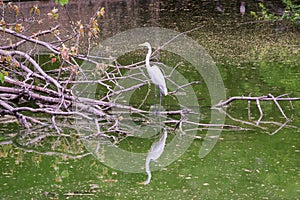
(45, 99)
(257, 100)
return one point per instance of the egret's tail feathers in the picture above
(164, 90)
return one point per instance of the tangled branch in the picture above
(257, 100)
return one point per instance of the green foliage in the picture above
(265, 15)
(291, 13)
(2, 78)
(62, 2)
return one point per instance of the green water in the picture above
(244, 164)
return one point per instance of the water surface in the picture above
(245, 164)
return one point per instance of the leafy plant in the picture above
(2, 78)
(291, 13)
(62, 2)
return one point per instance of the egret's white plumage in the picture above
(154, 72)
(155, 152)
(158, 79)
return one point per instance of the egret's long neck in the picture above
(148, 171)
(148, 57)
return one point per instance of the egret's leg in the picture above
(160, 97)
(155, 97)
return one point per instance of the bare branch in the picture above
(261, 98)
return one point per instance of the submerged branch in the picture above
(257, 100)
(260, 98)
(37, 95)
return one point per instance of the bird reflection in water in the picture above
(158, 80)
(156, 150)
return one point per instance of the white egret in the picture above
(155, 73)
(157, 148)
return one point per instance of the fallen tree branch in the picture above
(268, 97)
(25, 38)
(49, 46)
(260, 98)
